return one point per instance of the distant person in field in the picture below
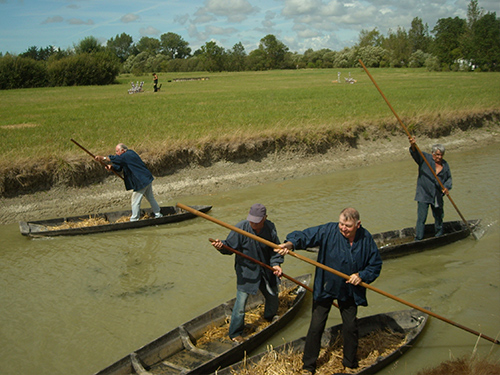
(155, 81)
(429, 191)
(136, 175)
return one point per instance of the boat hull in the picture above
(410, 322)
(177, 351)
(41, 228)
(397, 243)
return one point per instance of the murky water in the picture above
(74, 305)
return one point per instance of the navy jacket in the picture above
(428, 189)
(135, 173)
(248, 273)
(336, 252)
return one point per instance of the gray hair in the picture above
(438, 147)
(350, 213)
(122, 146)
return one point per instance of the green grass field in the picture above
(229, 107)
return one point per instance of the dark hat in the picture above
(257, 213)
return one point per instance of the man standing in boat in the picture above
(429, 192)
(136, 175)
(349, 248)
(250, 277)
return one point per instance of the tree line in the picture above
(453, 44)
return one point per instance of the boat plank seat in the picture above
(138, 367)
(169, 367)
(188, 344)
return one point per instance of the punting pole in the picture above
(335, 272)
(418, 149)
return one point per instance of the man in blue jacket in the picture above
(429, 192)
(137, 177)
(250, 277)
(348, 248)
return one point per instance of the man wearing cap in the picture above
(250, 277)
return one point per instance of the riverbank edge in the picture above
(209, 169)
(79, 170)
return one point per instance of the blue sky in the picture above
(300, 24)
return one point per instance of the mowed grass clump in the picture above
(230, 111)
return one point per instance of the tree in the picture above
(174, 46)
(149, 45)
(418, 59)
(316, 59)
(137, 64)
(97, 68)
(370, 38)
(21, 72)
(122, 46)
(398, 45)
(42, 54)
(345, 58)
(371, 56)
(486, 43)
(213, 57)
(474, 13)
(480, 42)
(418, 36)
(274, 52)
(237, 57)
(89, 44)
(448, 33)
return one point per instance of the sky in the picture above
(299, 24)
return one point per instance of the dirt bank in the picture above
(223, 176)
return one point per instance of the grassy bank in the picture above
(230, 115)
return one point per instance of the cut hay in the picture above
(465, 366)
(254, 320)
(288, 361)
(92, 222)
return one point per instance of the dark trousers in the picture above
(320, 310)
(422, 210)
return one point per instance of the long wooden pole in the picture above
(307, 287)
(93, 157)
(335, 272)
(417, 148)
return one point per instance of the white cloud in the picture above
(220, 30)
(130, 17)
(300, 7)
(77, 21)
(146, 31)
(181, 19)
(234, 10)
(202, 16)
(55, 19)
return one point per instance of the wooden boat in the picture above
(184, 350)
(401, 242)
(104, 222)
(406, 323)
(396, 243)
